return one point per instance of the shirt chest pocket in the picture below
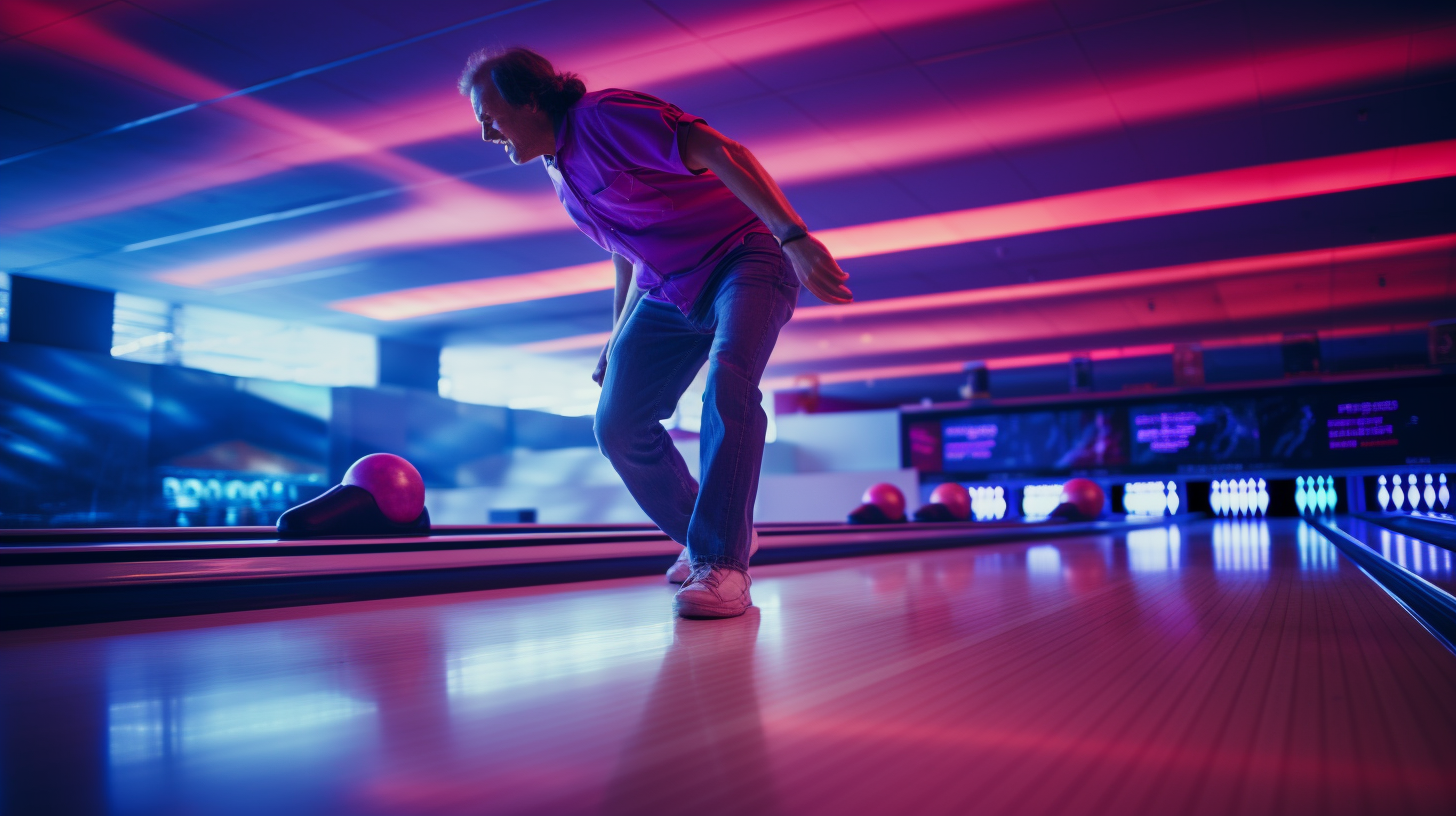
(632, 203)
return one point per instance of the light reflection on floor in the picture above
(1433, 563)
(1315, 551)
(1158, 549)
(1241, 545)
(1415, 555)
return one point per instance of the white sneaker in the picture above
(717, 592)
(683, 566)
(681, 569)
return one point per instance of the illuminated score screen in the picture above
(1324, 426)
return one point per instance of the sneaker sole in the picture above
(703, 611)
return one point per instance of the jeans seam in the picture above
(721, 561)
(656, 409)
(738, 451)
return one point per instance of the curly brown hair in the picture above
(522, 77)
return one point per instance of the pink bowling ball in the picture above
(888, 498)
(393, 482)
(1086, 495)
(955, 497)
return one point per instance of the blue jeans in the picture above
(733, 326)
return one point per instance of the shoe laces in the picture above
(704, 574)
(707, 575)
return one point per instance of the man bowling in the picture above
(709, 257)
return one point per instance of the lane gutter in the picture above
(1431, 606)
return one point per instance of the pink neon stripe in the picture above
(451, 217)
(745, 36)
(1225, 188)
(1183, 273)
(1069, 110)
(573, 343)
(1055, 358)
(1030, 116)
(473, 294)
(1207, 191)
(919, 329)
(1405, 272)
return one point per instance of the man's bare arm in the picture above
(624, 300)
(705, 148)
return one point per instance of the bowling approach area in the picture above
(695, 407)
(1208, 665)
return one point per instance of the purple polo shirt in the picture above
(620, 176)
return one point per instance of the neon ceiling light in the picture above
(895, 372)
(1257, 289)
(1240, 288)
(1031, 116)
(456, 210)
(450, 218)
(1149, 199)
(472, 294)
(1133, 279)
(666, 58)
(1078, 109)
(1206, 191)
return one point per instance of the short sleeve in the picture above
(638, 131)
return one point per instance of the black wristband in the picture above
(794, 234)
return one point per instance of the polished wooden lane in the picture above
(1212, 667)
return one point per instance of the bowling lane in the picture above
(1209, 667)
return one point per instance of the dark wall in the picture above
(409, 365)
(56, 314)
(73, 437)
(209, 421)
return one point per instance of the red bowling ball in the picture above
(1086, 495)
(955, 497)
(393, 482)
(888, 498)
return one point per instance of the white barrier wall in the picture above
(836, 443)
(816, 471)
(825, 496)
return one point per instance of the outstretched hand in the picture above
(817, 270)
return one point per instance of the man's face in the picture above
(518, 128)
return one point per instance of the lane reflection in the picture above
(246, 718)
(1316, 553)
(1044, 561)
(533, 661)
(1431, 562)
(1240, 545)
(699, 746)
(490, 650)
(1426, 560)
(239, 721)
(1159, 549)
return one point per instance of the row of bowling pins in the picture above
(1239, 497)
(1315, 494)
(1394, 495)
(1151, 498)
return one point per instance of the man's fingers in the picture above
(831, 293)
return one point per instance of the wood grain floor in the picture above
(1210, 668)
